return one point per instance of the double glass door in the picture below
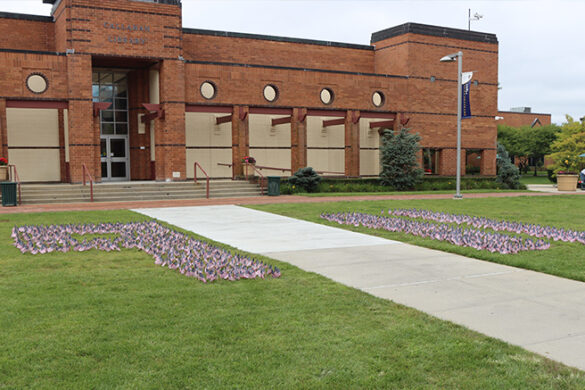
(114, 157)
(112, 87)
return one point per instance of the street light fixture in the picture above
(451, 58)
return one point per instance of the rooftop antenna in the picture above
(475, 18)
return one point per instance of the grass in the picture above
(115, 320)
(562, 259)
(531, 179)
(326, 194)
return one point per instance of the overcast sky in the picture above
(541, 43)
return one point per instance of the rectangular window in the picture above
(431, 161)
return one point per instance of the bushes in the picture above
(305, 178)
(428, 183)
(398, 159)
(508, 173)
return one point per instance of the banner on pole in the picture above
(465, 87)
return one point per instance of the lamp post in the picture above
(459, 58)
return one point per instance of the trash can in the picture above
(8, 193)
(273, 185)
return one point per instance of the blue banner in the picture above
(465, 107)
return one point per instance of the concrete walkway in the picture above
(542, 313)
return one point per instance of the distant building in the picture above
(523, 116)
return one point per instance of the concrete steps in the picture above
(129, 191)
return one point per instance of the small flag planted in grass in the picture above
(169, 248)
(466, 237)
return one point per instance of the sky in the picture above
(541, 43)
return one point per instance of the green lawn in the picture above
(531, 179)
(326, 194)
(115, 320)
(562, 259)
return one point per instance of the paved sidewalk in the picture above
(542, 313)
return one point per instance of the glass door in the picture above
(114, 157)
(112, 87)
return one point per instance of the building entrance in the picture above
(112, 87)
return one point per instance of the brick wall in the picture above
(401, 67)
(268, 52)
(23, 34)
(519, 119)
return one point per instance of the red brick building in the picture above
(523, 116)
(121, 87)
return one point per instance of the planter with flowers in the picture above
(3, 169)
(567, 176)
(249, 163)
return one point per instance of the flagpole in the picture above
(459, 99)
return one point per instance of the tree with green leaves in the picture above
(528, 142)
(569, 145)
(398, 159)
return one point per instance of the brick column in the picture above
(138, 81)
(170, 131)
(83, 140)
(240, 138)
(488, 162)
(352, 144)
(62, 162)
(448, 162)
(298, 142)
(3, 130)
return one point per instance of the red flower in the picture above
(3, 161)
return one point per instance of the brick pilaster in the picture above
(83, 140)
(488, 162)
(170, 131)
(352, 144)
(240, 138)
(3, 130)
(298, 132)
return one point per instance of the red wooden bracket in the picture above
(243, 115)
(355, 117)
(302, 116)
(383, 124)
(281, 121)
(334, 122)
(404, 119)
(97, 107)
(156, 111)
(223, 119)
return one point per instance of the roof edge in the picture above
(436, 31)
(229, 34)
(34, 18)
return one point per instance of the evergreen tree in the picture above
(398, 159)
(508, 173)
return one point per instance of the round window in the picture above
(327, 96)
(208, 90)
(37, 83)
(378, 99)
(270, 93)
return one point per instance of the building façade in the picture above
(120, 87)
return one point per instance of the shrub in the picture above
(508, 173)
(399, 162)
(305, 178)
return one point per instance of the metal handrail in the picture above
(282, 169)
(290, 170)
(262, 180)
(86, 172)
(228, 165)
(15, 177)
(195, 165)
